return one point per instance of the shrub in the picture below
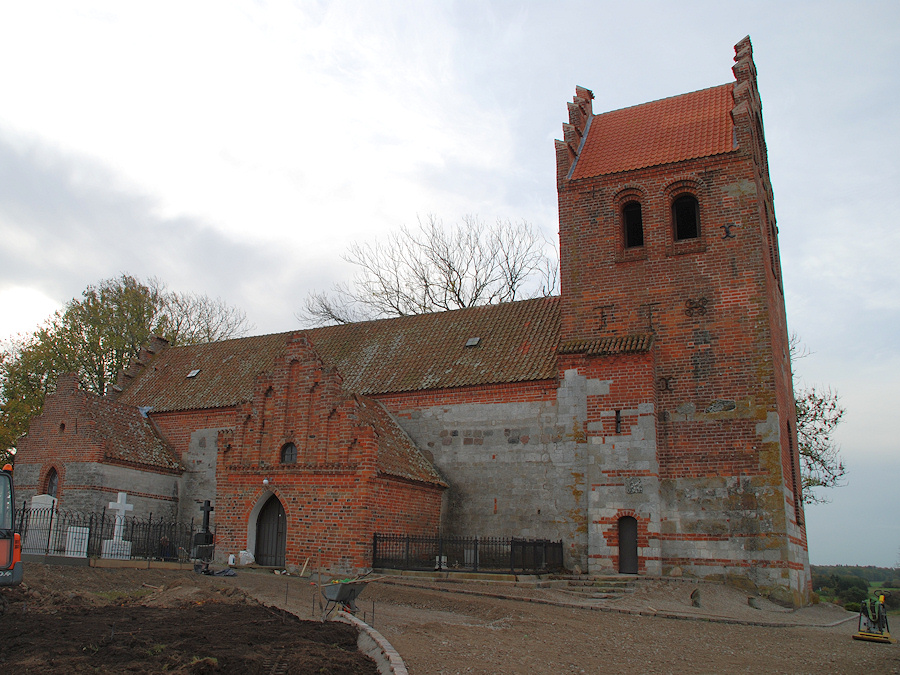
(852, 606)
(854, 594)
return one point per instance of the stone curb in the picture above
(374, 645)
(633, 612)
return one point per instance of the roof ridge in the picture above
(664, 98)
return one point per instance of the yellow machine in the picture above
(873, 622)
(10, 544)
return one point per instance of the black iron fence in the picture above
(59, 532)
(476, 554)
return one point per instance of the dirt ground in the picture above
(72, 620)
(443, 628)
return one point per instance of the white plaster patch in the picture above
(770, 430)
(598, 387)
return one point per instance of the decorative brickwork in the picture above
(716, 383)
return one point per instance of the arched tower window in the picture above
(289, 454)
(634, 224)
(52, 483)
(686, 217)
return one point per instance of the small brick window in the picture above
(289, 454)
(686, 217)
(634, 225)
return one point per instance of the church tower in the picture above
(672, 311)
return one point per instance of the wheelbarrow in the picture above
(342, 596)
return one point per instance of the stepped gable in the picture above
(669, 130)
(397, 454)
(517, 343)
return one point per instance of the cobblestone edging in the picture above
(374, 645)
(711, 618)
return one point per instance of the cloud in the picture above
(67, 222)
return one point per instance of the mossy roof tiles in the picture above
(398, 456)
(518, 342)
(127, 436)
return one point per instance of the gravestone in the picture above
(77, 542)
(203, 540)
(116, 548)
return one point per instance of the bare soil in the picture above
(439, 628)
(77, 620)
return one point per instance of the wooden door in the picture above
(271, 534)
(628, 550)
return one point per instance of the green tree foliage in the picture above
(95, 336)
(849, 584)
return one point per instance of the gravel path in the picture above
(443, 628)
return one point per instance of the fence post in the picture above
(49, 531)
(149, 537)
(512, 555)
(476, 554)
(374, 549)
(406, 556)
(440, 560)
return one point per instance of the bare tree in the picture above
(436, 268)
(819, 412)
(190, 318)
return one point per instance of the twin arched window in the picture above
(685, 220)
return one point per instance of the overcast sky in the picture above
(237, 148)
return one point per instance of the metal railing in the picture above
(59, 532)
(476, 554)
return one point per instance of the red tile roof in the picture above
(670, 130)
(518, 342)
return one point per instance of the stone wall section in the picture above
(514, 468)
(198, 483)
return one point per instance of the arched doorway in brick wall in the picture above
(628, 549)
(271, 534)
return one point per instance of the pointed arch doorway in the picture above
(271, 534)
(628, 548)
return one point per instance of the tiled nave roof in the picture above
(518, 342)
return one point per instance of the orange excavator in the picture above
(10, 544)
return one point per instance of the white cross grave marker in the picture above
(121, 507)
(116, 547)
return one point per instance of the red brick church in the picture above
(645, 416)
